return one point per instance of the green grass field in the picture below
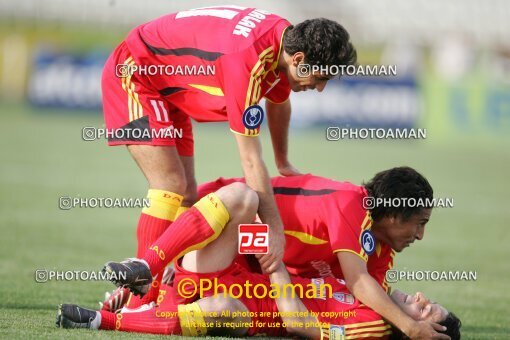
(43, 157)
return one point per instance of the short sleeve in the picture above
(241, 91)
(379, 263)
(280, 91)
(347, 224)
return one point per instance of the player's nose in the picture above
(420, 233)
(421, 299)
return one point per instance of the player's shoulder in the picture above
(258, 27)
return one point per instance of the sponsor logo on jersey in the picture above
(253, 117)
(336, 332)
(368, 242)
(344, 298)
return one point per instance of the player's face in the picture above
(300, 79)
(419, 307)
(399, 233)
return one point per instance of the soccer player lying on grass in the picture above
(328, 232)
(255, 311)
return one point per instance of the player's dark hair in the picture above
(451, 322)
(401, 182)
(322, 41)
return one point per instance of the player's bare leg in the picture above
(242, 202)
(190, 193)
(203, 317)
(165, 172)
(161, 165)
(219, 304)
(204, 223)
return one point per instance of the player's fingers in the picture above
(267, 261)
(264, 260)
(268, 258)
(269, 267)
(272, 267)
(438, 327)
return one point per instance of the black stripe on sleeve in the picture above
(170, 90)
(206, 55)
(301, 191)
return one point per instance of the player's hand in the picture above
(287, 169)
(427, 330)
(269, 262)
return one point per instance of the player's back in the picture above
(210, 31)
(313, 209)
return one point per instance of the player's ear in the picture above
(298, 58)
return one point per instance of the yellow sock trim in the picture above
(214, 212)
(181, 211)
(216, 216)
(192, 320)
(164, 204)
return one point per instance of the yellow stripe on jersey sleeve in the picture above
(367, 329)
(212, 90)
(369, 335)
(305, 238)
(362, 254)
(258, 72)
(135, 108)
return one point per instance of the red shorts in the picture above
(341, 312)
(234, 275)
(136, 113)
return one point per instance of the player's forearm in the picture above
(257, 178)
(368, 291)
(291, 307)
(278, 118)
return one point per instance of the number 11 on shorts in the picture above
(253, 239)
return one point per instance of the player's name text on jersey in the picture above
(90, 133)
(247, 23)
(128, 70)
(68, 203)
(334, 133)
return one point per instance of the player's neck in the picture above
(283, 62)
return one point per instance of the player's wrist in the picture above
(409, 328)
(282, 162)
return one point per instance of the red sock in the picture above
(154, 320)
(151, 296)
(107, 320)
(153, 221)
(194, 229)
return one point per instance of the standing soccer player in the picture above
(212, 64)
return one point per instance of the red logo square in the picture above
(253, 239)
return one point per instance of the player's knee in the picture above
(227, 311)
(239, 199)
(190, 194)
(249, 199)
(171, 182)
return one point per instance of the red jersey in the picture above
(343, 316)
(322, 217)
(234, 51)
